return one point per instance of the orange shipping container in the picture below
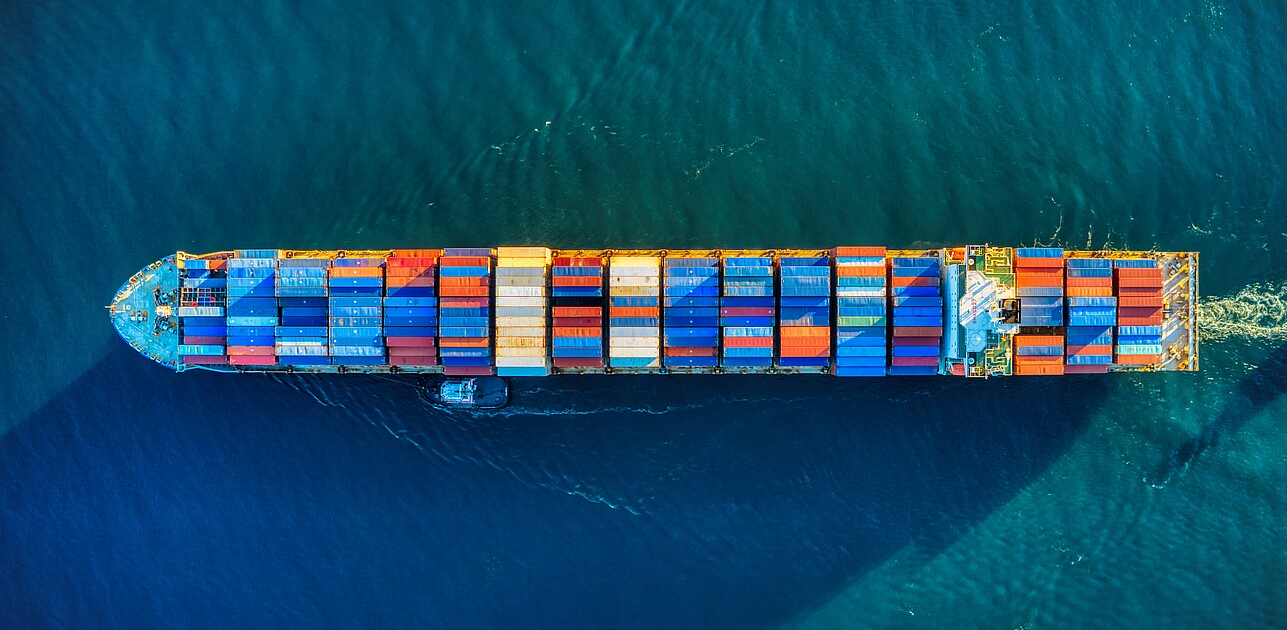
(914, 281)
(1020, 359)
(860, 250)
(1090, 291)
(463, 342)
(1038, 370)
(560, 331)
(410, 282)
(635, 311)
(1137, 359)
(804, 352)
(1139, 272)
(806, 331)
(860, 270)
(357, 272)
(1044, 263)
(1038, 340)
(464, 291)
(1143, 283)
(465, 261)
(578, 281)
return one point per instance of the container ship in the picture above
(972, 311)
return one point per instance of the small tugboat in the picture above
(477, 392)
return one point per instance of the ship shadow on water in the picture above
(1266, 383)
(621, 501)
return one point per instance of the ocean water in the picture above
(133, 497)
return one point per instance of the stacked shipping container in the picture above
(252, 307)
(691, 318)
(1038, 355)
(522, 311)
(634, 288)
(804, 313)
(747, 311)
(1139, 313)
(201, 313)
(577, 302)
(301, 335)
(411, 307)
(1092, 313)
(862, 346)
(464, 311)
(1039, 282)
(917, 297)
(357, 311)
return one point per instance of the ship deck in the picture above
(142, 312)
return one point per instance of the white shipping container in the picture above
(200, 311)
(517, 331)
(634, 281)
(634, 331)
(636, 261)
(520, 282)
(519, 292)
(618, 270)
(525, 322)
(634, 291)
(520, 301)
(634, 342)
(521, 362)
(519, 311)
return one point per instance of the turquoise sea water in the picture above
(134, 497)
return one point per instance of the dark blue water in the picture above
(136, 497)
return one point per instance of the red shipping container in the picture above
(914, 361)
(413, 361)
(465, 261)
(252, 360)
(1139, 321)
(430, 254)
(578, 261)
(577, 311)
(410, 351)
(410, 282)
(748, 342)
(454, 281)
(410, 342)
(567, 322)
(1145, 302)
(204, 360)
(1139, 272)
(578, 281)
(456, 370)
(918, 331)
(204, 341)
(1085, 369)
(252, 351)
(411, 262)
(747, 311)
(690, 352)
(1020, 359)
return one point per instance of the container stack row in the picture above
(577, 301)
(521, 277)
(917, 297)
(691, 318)
(747, 310)
(411, 307)
(201, 313)
(1038, 355)
(1139, 313)
(1092, 313)
(357, 311)
(1039, 284)
(634, 333)
(804, 313)
(862, 343)
(252, 307)
(302, 292)
(464, 311)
